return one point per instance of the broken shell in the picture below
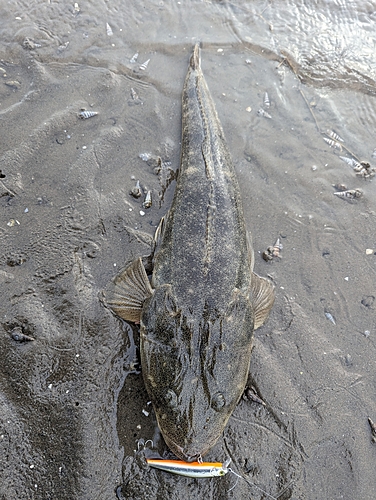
(330, 317)
(13, 222)
(273, 251)
(349, 161)
(373, 429)
(277, 248)
(333, 144)
(134, 94)
(340, 187)
(147, 202)
(19, 336)
(84, 115)
(267, 255)
(134, 58)
(30, 44)
(144, 65)
(14, 84)
(135, 98)
(349, 194)
(333, 135)
(136, 190)
(262, 112)
(109, 30)
(251, 395)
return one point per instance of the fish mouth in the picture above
(181, 452)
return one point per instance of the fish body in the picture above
(198, 313)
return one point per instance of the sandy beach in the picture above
(73, 405)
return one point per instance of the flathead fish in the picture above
(198, 310)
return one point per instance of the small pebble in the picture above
(348, 360)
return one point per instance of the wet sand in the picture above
(73, 404)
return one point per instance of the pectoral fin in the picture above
(126, 294)
(262, 298)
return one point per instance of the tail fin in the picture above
(195, 61)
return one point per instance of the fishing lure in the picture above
(201, 470)
(191, 469)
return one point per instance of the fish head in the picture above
(195, 369)
(194, 426)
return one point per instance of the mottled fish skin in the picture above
(196, 329)
(198, 314)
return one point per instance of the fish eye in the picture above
(171, 398)
(218, 401)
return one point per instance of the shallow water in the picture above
(72, 402)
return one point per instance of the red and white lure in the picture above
(191, 469)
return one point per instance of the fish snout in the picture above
(184, 453)
(193, 458)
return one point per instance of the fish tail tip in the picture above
(195, 58)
